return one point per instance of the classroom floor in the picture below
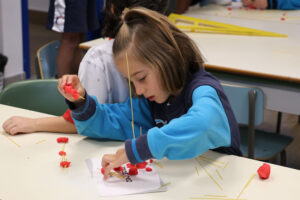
(289, 125)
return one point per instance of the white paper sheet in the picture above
(144, 182)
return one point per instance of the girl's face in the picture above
(145, 79)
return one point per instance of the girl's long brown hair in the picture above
(152, 38)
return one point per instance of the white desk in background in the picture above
(271, 63)
(31, 171)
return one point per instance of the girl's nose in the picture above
(139, 90)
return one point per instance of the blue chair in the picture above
(37, 95)
(248, 106)
(46, 60)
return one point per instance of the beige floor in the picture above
(290, 126)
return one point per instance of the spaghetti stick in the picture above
(210, 162)
(212, 178)
(130, 95)
(164, 185)
(10, 139)
(116, 175)
(39, 142)
(219, 174)
(197, 171)
(249, 181)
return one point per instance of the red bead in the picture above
(118, 169)
(62, 153)
(264, 171)
(148, 169)
(70, 90)
(151, 161)
(62, 140)
(65, 164)
(133, 171)
(102, 171)
(129, 165)
(141, 165)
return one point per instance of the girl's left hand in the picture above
(111, 161)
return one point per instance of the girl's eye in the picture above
(143, 78)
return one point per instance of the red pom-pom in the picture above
(229, 8)
(129, 165)
(148, 169)
(264, 171)
(65, 164)
(62, 140)
(118, 169)
(133, 171)
(70, 90)
(62, 153)
(282, 18)
(141, 165)
(151, 161)
(102, 171)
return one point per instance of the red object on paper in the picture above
(70, 90)
(264, 171)
(133, 171)
(129, 165)
(148, 169)
(67, 116)
(62, 140)
(229, 8)
(62, 153)
(151, 161)
(141, 165)
(282, 18)
(102, 171)
(118, 169)
(65, 164)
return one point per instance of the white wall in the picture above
(11, 36)
(38, 5)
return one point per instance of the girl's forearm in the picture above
(54, 124)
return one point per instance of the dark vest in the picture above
(165, 112)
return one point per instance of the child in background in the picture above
(97, 73)
(181, 109)
(273, 4)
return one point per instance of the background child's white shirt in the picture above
(100, 77)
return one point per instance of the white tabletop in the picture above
(275, 57)
(31, 171)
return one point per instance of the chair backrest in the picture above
(242, 99)
(36, 95)
(46, 60)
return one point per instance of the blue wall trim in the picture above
(25, 38)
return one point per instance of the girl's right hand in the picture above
(16, 124)
(75, 82)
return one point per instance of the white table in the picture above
(31, 171)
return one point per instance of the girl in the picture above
(182, 108)
(97, 73)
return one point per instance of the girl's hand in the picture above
(111, 161)
(15, 125)
(75, 82)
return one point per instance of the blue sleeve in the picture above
(205, 126)
(112, 121)
(284, 4)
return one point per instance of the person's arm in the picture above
(205, 126)
(111, 121)
(17, 124)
